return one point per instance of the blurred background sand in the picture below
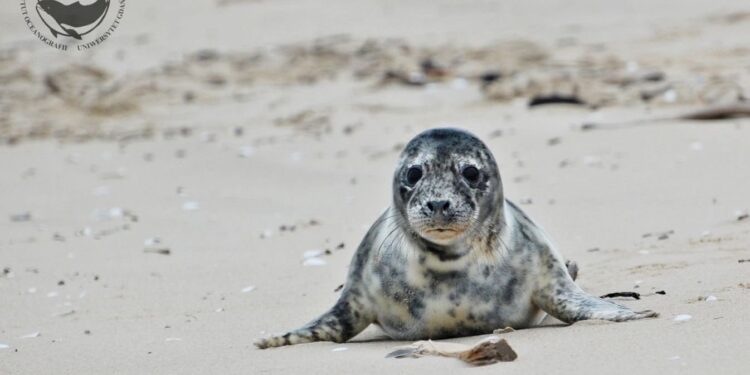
(159, 191)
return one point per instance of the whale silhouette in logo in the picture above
(73, 20)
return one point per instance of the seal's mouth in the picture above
(442, 235)
(441, 230)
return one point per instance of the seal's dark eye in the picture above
(413, 175)
(471, 174)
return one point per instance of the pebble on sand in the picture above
(20, 217)
(190, 206)
(682, 318)
(314, 262)
(247, 151)
(309, 254)
(248, 289)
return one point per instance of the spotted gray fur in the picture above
(452, 257)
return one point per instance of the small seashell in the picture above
(247, 151)
(52, 294)
(248, 289)
(115, 212)
(31, 335)
(153, 241)
(340, 349)
(314, 262)
(592, 161)
(101, 191)
(312, 253)
(711, 298)
(459, 84)
(190, 206)
(670, 96)
(682, 318)
(4, 346)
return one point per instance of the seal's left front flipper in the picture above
(560, 297)
(343, 321)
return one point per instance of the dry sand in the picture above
(160, 156)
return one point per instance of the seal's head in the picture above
(446, 186)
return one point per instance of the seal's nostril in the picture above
(438, 206)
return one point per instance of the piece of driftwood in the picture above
(719, 112)
(485, 352)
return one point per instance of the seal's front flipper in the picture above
(342, 322)
(560, 297)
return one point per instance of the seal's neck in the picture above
(482, 240)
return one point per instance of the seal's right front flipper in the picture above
(560, 297)
(342, 322)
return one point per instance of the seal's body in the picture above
(452, 257)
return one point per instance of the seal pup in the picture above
(452, 257)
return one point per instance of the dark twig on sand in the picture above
(719, 112)
(622, 294)
(158, 251)
(555, 99)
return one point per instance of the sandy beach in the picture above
(160, 191)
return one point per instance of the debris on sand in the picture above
(682, 318)
(634, 295)
(21, 217)
(312, 257)
(710, 113)
(486, 352)
(162, 251)
(4, 346)
(500, 331)
(31, 335)
(659, 235)
(64, 314)
(190, 206)
(741, 215)
(248, 289)
(246, 151)
(538, 100)
(314, 262)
